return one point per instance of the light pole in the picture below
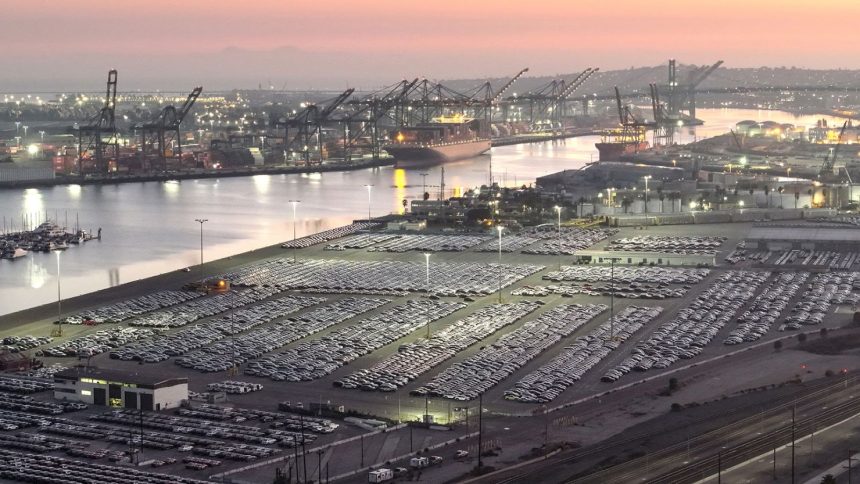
(369, 189)
(25, 132)
(427, 285)
(201, 221)
(59, 298)
(17, 128)
(646, 177)
(423, 184)
(612, 297)
(294, 203)
(42, 134)
(500, 229)
(558, 212)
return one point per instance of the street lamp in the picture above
(294, 203)
(427, 285)
(59, 298)
(423, 184)
(558, 212)
(646, 177)
(25, 131)
(42, 134)
(500, 229)
(369, 189)
(201, 221)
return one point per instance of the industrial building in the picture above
(810, 238)
(119, 389)
(602, 257)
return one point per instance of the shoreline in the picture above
(264, 170)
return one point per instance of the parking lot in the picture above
(349, 327)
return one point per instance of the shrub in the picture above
(777, 345)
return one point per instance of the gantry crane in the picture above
(97, 139)
(160, 138)
(830, 158)
(302, 131)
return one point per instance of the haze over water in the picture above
(149, 228)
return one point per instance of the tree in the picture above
(780, 190)
(801, 338)
(796, 198)
(777, 345)
(828, 479)
(662, 205)
(823, 332)
(626, 202)
(767, 194)
(673, 384)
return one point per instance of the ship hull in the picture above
(613, 151)
(406, 155)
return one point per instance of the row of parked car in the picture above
(253, 344)
(413, 359)
(202, 427)
(123, 310)
(24, 467)
(668, 244)
(686, 335)
(192, 311)
(822, 292)
(467, 379)
(429, 243)
(357, 277)
(571, 240)
(97, 343)
(548, 382)
(628, 274)
(234, 387)
(359, 241)
(634, 290)
(17, 344)
(330, 234)
(24, 403)
(828, 258)
(276, 420)
(767, 307)
(317, 358)
(24, 384)
(178, 343)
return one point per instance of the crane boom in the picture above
(507, 86)
(337, 102)
(830, 161)
(577, 82)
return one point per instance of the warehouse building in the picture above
(602, 257)
(803, 237)
(119, 389)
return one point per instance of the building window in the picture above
(64, 390)
(86, 393)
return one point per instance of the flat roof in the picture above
(801, 233)
(78, 372)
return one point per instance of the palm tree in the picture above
(796, 198)
(767, 194)
(780, 190)
(662, 205)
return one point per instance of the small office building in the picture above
(120, 389)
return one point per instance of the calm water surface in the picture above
(149, 228)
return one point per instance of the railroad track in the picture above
(820, 390)
(710, 444)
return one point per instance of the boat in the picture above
(445, 139)
(14, 254)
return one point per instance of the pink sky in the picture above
(375, 40)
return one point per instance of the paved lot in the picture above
(399, 405)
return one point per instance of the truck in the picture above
(380, 475)
(419, 462)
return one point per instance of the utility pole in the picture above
(792, 443)
(500, 229)
(480, 428)
(719, 467)
(294, 203)
(201, 221)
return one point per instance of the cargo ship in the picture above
(445, 139)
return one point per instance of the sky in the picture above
(60, 44)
